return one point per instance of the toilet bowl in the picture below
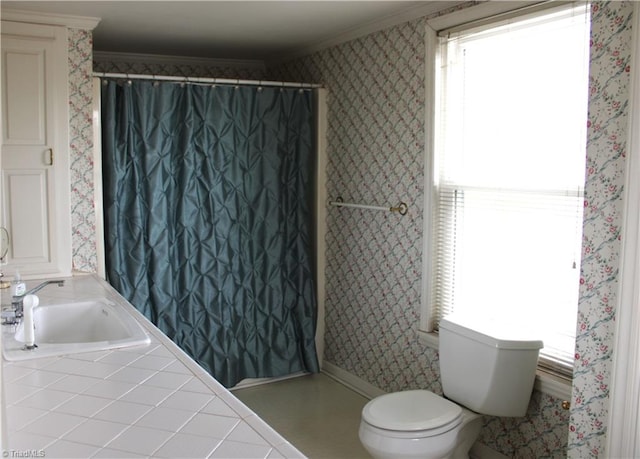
(417, 424)
(486, 368)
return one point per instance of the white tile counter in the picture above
(144, 401)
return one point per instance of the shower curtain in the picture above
(208, 219)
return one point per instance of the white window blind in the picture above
(509, 172)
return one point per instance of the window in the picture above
(508, 171)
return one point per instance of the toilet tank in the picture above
(486, 366)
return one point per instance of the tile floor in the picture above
(315, 413)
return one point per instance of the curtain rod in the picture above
(202, 80)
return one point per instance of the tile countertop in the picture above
(144, 401)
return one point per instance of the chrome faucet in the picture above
(16, 301)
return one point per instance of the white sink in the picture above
(69, 328)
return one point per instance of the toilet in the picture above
(487, 368)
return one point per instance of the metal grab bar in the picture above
(401, 208)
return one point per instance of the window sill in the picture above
(546, 382)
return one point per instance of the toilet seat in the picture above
(413, 411)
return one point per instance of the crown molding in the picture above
(73, 22)
(103, 56)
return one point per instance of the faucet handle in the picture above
(30, 302)
(8, 317)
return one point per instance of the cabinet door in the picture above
(35, 162)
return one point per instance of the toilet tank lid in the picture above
(493, 332)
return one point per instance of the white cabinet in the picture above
(35, 149)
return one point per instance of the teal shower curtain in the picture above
(208, 219)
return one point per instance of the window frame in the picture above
(556, 382)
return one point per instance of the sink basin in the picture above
(83, 326)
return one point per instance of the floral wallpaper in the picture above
(611, 39)
(376, 110)
(375, 148)
(83, 219)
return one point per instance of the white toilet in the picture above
(486, 368)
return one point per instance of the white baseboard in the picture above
(351, 381)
